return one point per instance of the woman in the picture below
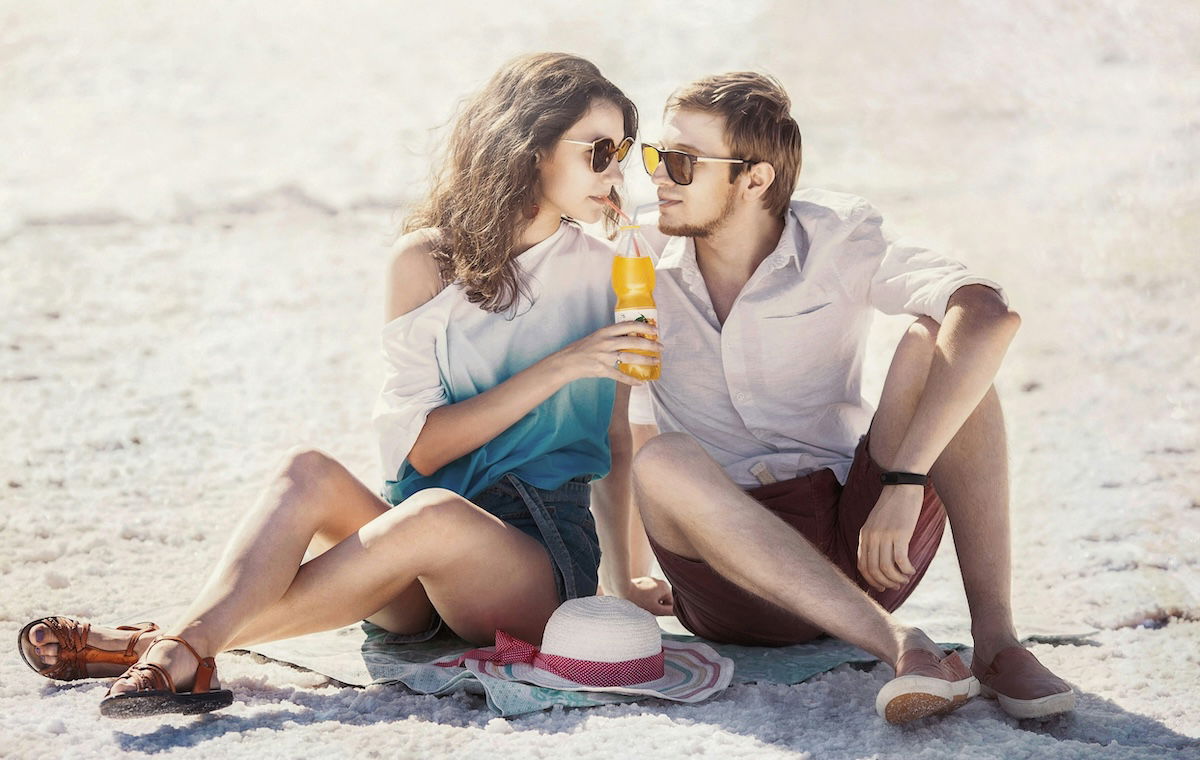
(494, 417)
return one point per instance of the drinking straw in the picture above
(618, 209)
(644, 207)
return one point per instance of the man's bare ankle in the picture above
(913, 638)
(987, 644)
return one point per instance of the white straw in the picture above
(644, 207)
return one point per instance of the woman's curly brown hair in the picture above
(489, 177)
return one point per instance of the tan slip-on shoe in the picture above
(1024, 687)
(925, 685)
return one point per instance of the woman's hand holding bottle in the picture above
(601, 353)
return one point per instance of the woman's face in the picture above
(569, 187)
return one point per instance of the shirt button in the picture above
(742, 396)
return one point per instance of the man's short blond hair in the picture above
(758, 125)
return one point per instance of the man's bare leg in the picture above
(693, 509)
(971, 476)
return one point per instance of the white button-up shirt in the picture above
(780, 382)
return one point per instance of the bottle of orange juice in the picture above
(633, 281)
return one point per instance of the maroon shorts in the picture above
(830, 517)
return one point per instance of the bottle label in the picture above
(636, 315)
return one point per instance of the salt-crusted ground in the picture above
(195, 209)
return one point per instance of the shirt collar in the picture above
(680, 252)
(793, 244)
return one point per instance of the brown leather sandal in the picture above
(74, 652)
(155, 692)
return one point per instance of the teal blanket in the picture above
(384, 662)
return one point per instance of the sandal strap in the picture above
(72, 639)
(74, 652)
(206, 667)
(146, 676)
(141, 630)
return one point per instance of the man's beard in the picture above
(701, 230)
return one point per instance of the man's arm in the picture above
(971, 344)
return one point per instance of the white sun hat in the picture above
(602, 643)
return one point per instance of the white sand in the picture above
(195, 205)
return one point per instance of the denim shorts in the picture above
(560, 520)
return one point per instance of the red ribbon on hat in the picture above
(510, 650)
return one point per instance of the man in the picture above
(778, 505)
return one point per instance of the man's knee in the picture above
(657, 469)
(923, 331)
(664, 457)
(665, 452)
(906, 376)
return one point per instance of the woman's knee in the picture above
(309, 467)
(436, 514)
(308, 484)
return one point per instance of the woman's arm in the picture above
(453, 430)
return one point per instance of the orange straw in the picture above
(616, 208)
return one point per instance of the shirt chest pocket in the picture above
(798, 346)
(801, 313)
(806, 326)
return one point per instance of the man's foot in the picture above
(1024, 687)
(926, 683)
(67, 650)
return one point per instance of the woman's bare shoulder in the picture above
(414, 272)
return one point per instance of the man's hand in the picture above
(883, 540)
(651, 594)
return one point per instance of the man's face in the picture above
(700, 208)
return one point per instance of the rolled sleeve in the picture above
(911, 279)
(412, 389)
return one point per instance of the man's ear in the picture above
(760, 178)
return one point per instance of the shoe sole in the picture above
(146, 703)
(909, 698)
(1042, 707)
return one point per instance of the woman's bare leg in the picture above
(640, 555)
(312, 503)
(480, 573)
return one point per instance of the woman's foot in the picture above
(171, 677)
(175, 659)
(67, 650)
